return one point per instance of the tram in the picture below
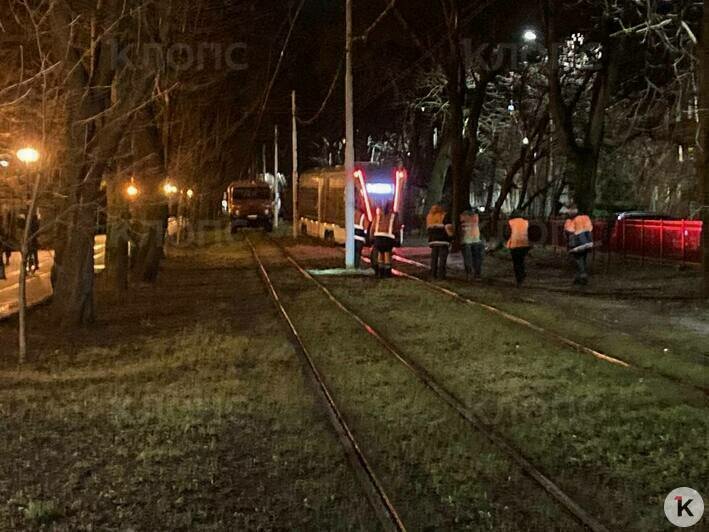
(321, 197)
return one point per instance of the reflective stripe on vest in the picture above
(470, 225)
(520, 233)
(384, 224)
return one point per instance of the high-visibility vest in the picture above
(580, 229)
(383, 224)
(438, 230)
(520, 233)
(360, 226)
(470, 228)
(582, 224)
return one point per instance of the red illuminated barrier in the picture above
(673, 240)
(662, 240)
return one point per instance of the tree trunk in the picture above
(437, 182)
(73, 302)
(703, 159)
(585, 166)
(151, 228)
(505, 189)
(461, 182)
(117, 239)
(152, 209)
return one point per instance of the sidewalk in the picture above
(39, 286)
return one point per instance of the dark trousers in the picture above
(518, 256)
(581, 259)
(473, 258)
(359, 246)
(439, 259)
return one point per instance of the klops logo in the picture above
(684, 507)
(180, 57)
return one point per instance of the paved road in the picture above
(39, 286)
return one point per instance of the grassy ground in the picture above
(440, 474)
(666, 335)
(185, 408)
(615, 439)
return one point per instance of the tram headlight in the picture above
(267, 211)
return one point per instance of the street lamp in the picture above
(169, 189)
(529, 35)
(132, 190)
(28, 155)
(190, 193)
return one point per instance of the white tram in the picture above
(321, 197)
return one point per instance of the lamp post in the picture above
(27, 156)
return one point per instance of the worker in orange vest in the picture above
(579, 232)
(471, 242)
(361, 227)
(384, 230)
(518, 244)
(440, 234)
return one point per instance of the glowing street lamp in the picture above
(190, 193)
(4, 163)
(529, 36)
(132, 190)
(28, 155)
(169, 189)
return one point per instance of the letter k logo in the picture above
(683, 507)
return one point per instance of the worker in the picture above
(472, 245)
(579, 232)
(383, 231)
(440, 234)
(361, 234)
(518, 244)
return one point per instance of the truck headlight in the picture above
(267, 211)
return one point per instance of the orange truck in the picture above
(250, 204)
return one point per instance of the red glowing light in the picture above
(400, 178)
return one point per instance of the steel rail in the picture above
(457, 405)
(627, 294)
(541, 330)
(511, 317)
(379, 500)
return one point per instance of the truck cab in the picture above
(250, 204)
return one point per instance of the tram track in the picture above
(579, 292)
(473, 420)
(374, 490)
(557, 338)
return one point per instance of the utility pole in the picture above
(349, 146)
(276, 191)
(295, 167)
(263, 159)
(703, 159)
